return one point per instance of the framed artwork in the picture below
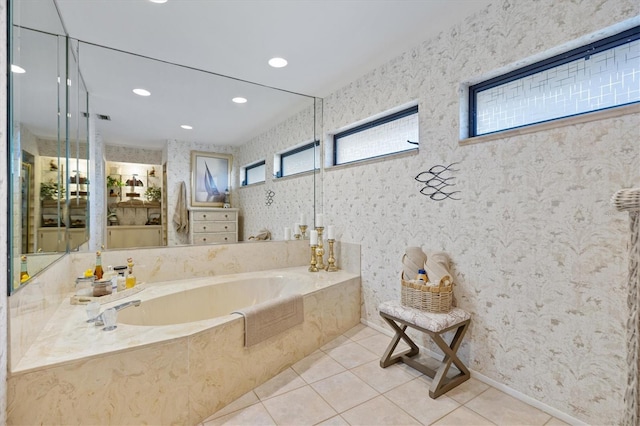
(210, 178)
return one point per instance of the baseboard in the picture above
(491, 382)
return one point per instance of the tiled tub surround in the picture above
(75, 373)
(32, 308)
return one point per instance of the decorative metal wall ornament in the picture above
(269, 194)
(437, 182)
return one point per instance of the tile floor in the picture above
(343, 384)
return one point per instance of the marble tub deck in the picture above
(169, 373)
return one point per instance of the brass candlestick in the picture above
(312, 266)
(296, 236)
(331, 262)
(303, 229)
(320, 249)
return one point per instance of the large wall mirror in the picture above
(97, 129)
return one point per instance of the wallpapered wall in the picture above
(539, 253)
(291, 195)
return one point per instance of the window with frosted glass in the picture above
(602, 75)
(254, 173)
(389, 135)
(299, 160)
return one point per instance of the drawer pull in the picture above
(204, 239)
(225, 238)
(226, 216)
(226, 227)
(204, 215)
(204, 227)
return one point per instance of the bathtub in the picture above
(179, 356)
(204, 300)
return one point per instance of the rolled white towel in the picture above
(412, 261)
(437, 266)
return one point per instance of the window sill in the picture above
(295, 175)
(251, 185)
(561, 122)
(408, 153)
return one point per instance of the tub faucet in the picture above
(98, 320)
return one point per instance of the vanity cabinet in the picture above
(50, 240)
(213, 225)
(134, 236)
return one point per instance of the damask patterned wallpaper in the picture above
(291, 196)
(539, 253)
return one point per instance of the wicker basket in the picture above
(435, 299)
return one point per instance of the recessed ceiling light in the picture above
(158, 1)
(142, 92)
(18, 70)
(239, 100)
(278, 62)
(186, 127)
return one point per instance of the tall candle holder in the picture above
(297, 236)
(303, 229)
(312, 265)
(331, 262)
(320, 249)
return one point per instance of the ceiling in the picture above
(328, 43)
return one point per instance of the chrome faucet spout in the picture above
(98, 319)
(127, 304)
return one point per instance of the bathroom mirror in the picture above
(270, 122)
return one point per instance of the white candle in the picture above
(330, 233)
(303, 219)
(313, 238)
(319, 220)
(296, 229)
(287, 233)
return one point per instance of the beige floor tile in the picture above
(244, 401)
(253, 415)
(413, 397)
(378, 344)
(555, 422)
(503, 409)
(378, 411)
(360, 332)
(382, 379)
(340, 340)
(316, 367)
(463, 417)
(344, 391)
(284, 382)
(302, 406)
(351, 355)
(467, 391)
(334, 421)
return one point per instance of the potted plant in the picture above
(51, 191)
(114, 183)
(153, 193)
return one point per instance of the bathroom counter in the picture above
(68, 337)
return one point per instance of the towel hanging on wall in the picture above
(181, 215)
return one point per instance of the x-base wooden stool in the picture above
(400, 317)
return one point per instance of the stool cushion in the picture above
(427, 320)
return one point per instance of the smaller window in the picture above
(297, 160)
(254, 173)
(392, 134)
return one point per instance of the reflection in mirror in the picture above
(37, 149)
(146, 132)
(126, 128)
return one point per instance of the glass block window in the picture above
(298, 160)
(598, 76)
(254, 173)
(388, 135)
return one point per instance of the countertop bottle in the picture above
(98, 273)
(24, 273)
(131, 279)
(121, 280)
(422, 275)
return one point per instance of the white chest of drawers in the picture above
(213, 226)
